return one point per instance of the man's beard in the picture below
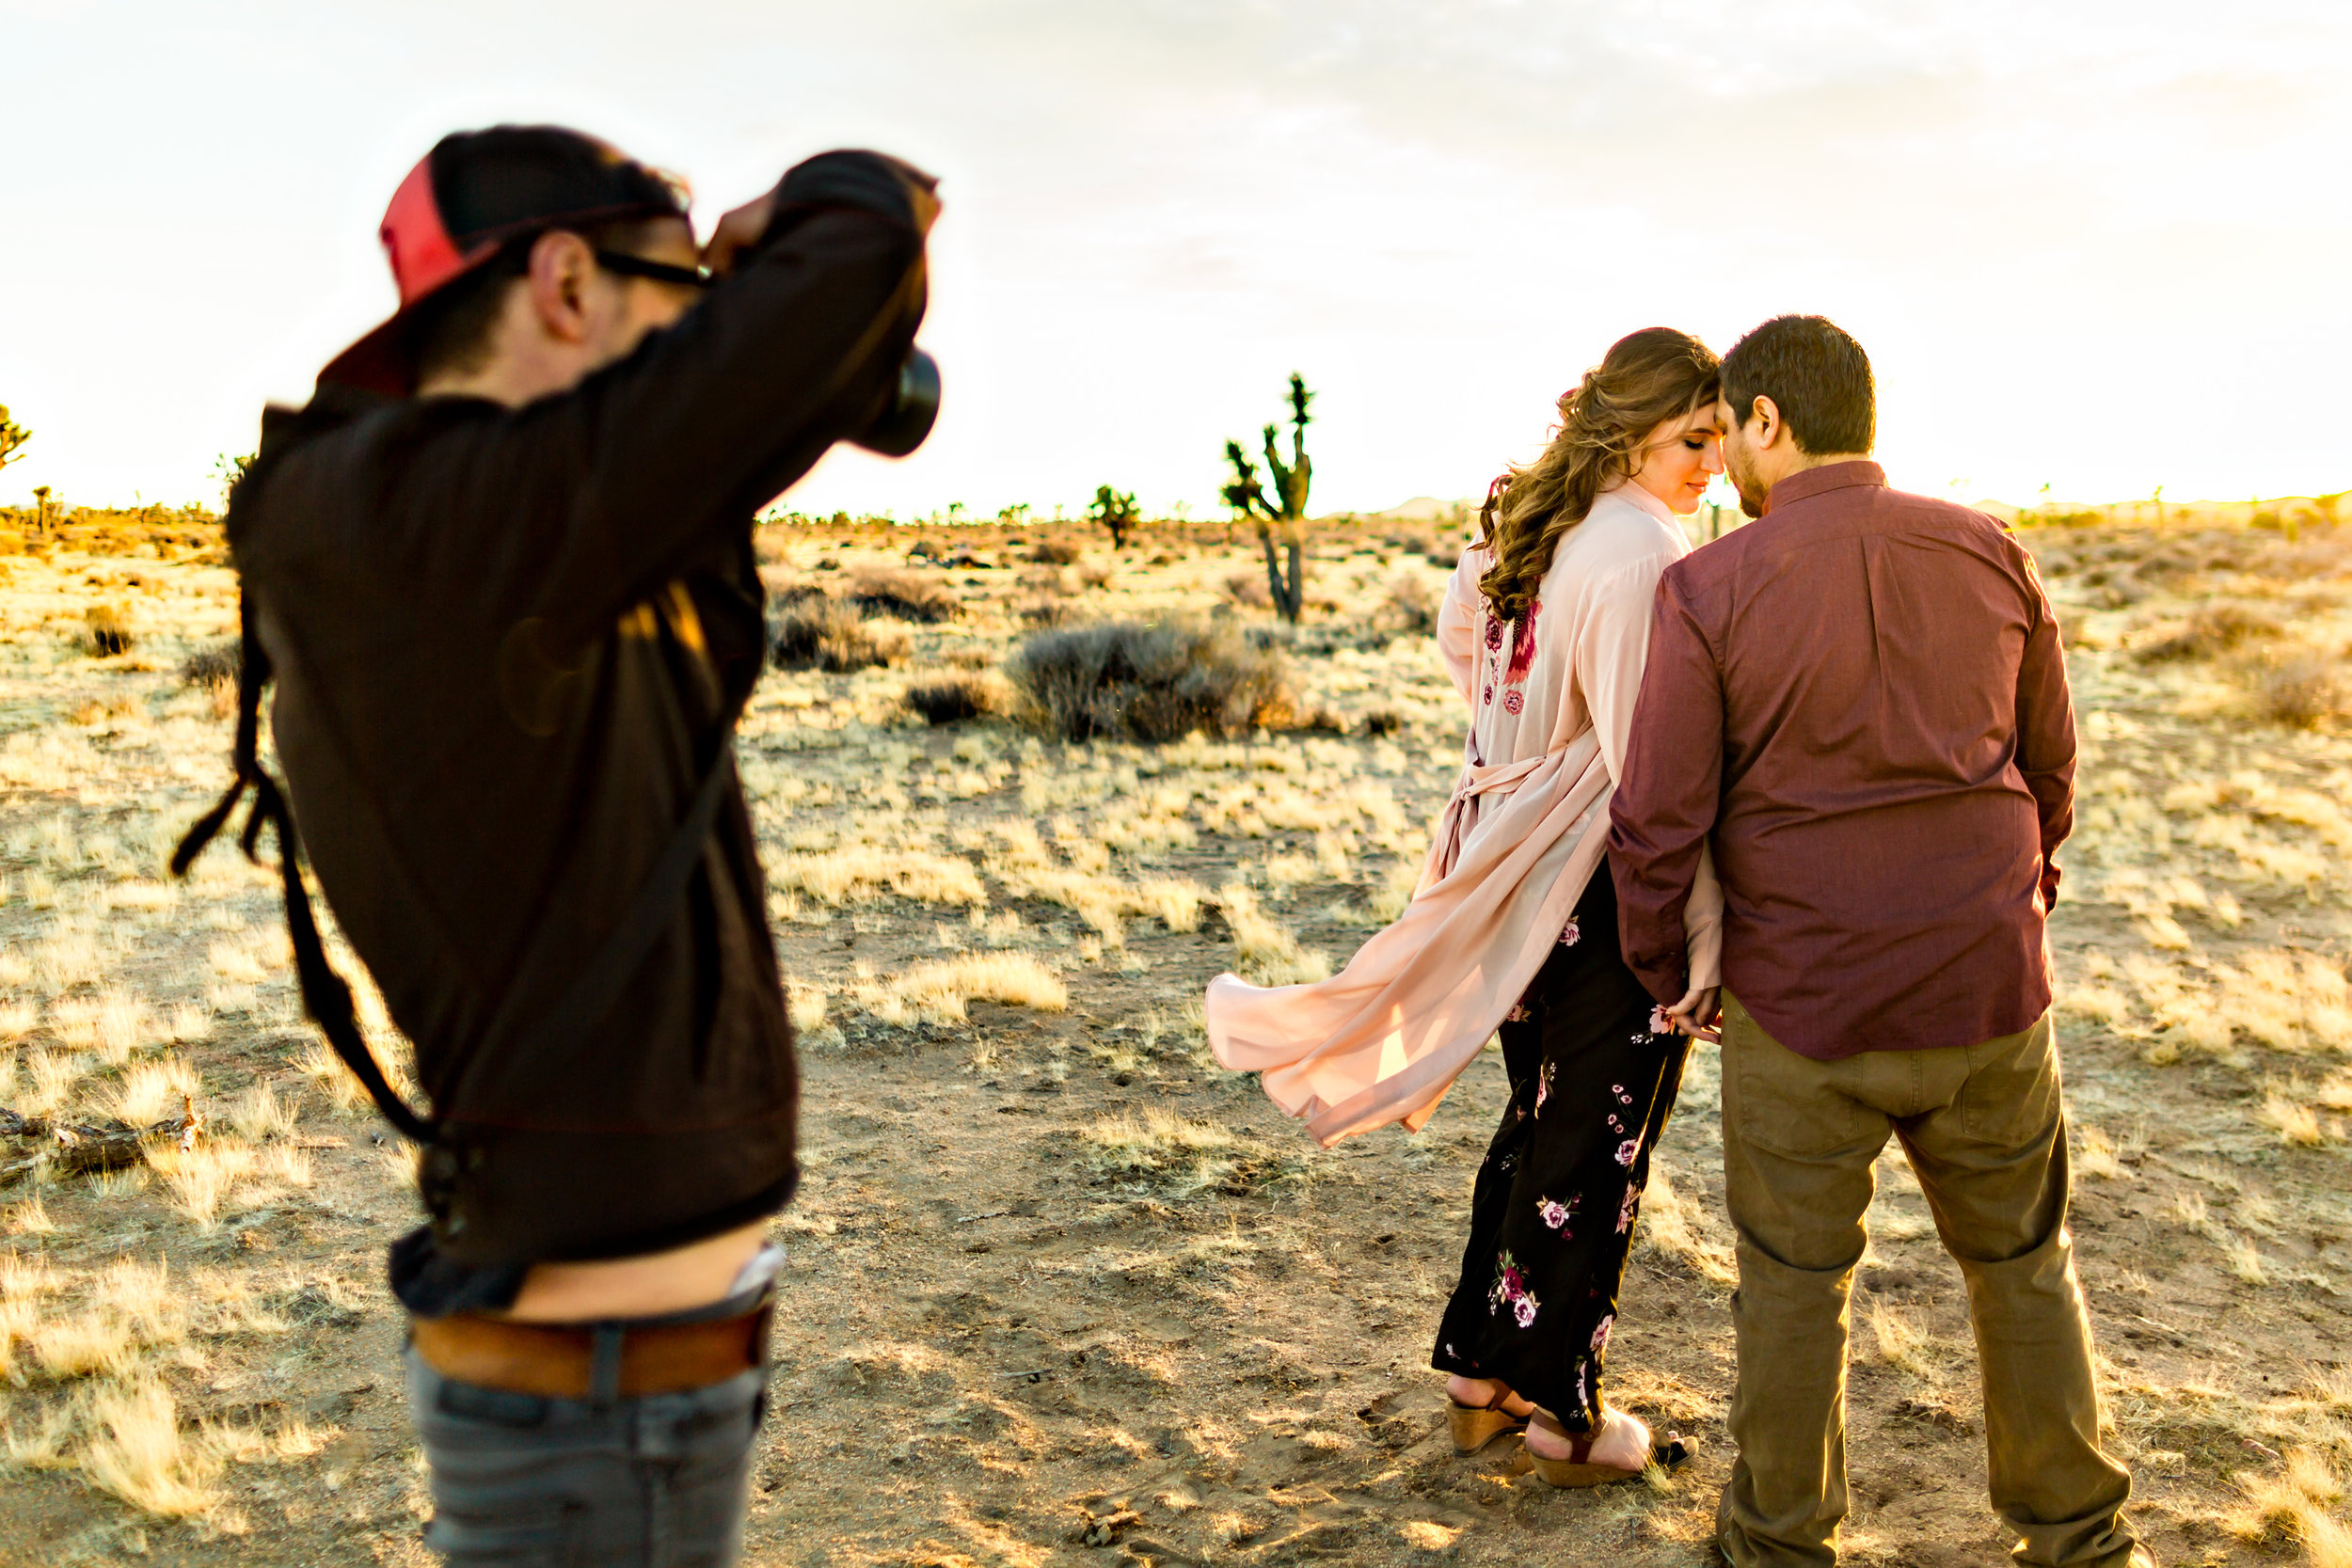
(1742, 479)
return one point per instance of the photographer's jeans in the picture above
(654, 1481)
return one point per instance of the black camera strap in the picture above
(326, 996)
(594, 988)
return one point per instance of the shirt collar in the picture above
(1806, 482)
(1625, 489)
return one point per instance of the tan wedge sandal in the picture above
(1477, 1425)
(1670, 1453)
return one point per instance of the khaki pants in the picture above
(1985, 1133)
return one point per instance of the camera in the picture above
(906, 418)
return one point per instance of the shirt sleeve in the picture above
(1457, 621)
(1665, 801)
(2045, 731)
(1610, 648)
(614, 486)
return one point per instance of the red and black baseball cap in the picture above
(478, 192)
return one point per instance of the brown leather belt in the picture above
(561, 1361)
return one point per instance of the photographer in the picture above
(500, 571)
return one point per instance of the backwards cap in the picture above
(471, 196)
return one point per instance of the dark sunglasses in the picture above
(660, 272)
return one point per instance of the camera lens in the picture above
(908, 416)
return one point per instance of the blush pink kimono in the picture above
(1384, 1038)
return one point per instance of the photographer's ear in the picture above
(563, 272)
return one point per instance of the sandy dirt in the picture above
(1062, 1291)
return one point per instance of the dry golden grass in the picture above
(1672, 1228)
(323, 1068)
(864, 871)
(937, 992)
(1907, 1346)
(2098, 1158)
(1178, 1155)
(30, 1218)
(139, 1455)
(2293, 1503)
(216, 1174)
(1270, 956)
(2286, 1107)
(260, 1116)
(150, 1091)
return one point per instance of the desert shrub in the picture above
(217, 665)
(1151, 682)
(1095, 573)
(2215, 629)
(1248, 588)
(1047, 611)
(815, 632)
(1055, 552)
(2306, 690)
(1382, 720)
(904, 596)
(1412, 604)
(956, 699)
(105, 632)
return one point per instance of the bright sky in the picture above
(2100, 246)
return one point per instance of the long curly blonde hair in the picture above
(1647, 380)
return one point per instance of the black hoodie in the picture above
(510, 648)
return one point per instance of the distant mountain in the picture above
(1424, 509)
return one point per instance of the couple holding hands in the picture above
(1799, 790)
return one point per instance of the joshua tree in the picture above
(12, 438)
(41, 508)
(1114, 509)
(1286, 510)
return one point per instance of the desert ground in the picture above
(1061, 1290)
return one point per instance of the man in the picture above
(501, 569)
(1860, 700)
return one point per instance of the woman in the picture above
(1514, 925)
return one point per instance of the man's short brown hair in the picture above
(1816, 375)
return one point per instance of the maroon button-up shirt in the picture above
(1860, 700)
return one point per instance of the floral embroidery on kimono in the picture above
(1522, 657)
(1543, 1086)
(1510, 1289)
(1569, 934)
(1522, 645)
(1560, 1215)
(1626, 1150)
(1631, 1207)
(1601, 1334)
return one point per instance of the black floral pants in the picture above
(1551, 1217)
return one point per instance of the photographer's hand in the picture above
(742, 228)
(738, 230)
